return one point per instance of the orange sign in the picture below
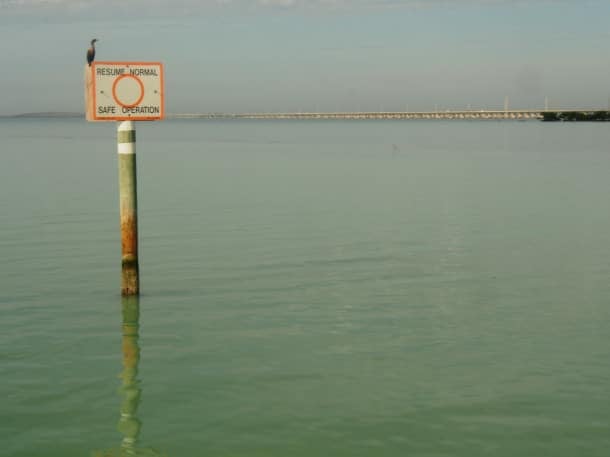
(123, 91)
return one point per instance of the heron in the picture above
(91, 52)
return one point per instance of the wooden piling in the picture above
(130, 276)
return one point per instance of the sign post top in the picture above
(122, 91)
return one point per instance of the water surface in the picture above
(362, 288)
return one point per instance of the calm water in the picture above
(309, 289)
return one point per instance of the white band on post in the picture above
(126, 134)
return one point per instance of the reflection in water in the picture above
(129, 425)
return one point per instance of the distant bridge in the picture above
(448, 114)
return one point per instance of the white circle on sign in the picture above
(128, 90)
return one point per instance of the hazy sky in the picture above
(305, 55)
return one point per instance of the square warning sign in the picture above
(119, 91)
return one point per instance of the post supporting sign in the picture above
(128, 208)
(125, 91)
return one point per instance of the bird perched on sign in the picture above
(91, 52)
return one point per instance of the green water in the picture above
(309, 289)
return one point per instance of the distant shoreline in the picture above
(544, 115)
(50, 114)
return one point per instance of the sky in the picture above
(315, 55)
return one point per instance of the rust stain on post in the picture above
(129, 236)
